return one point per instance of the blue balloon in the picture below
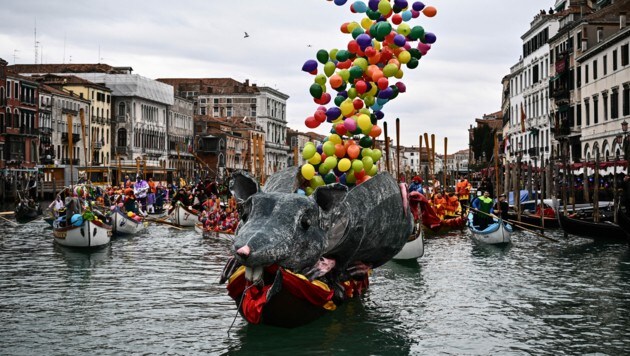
(406, 15)
(340, 2)
(401, 3)
(364, 40)
(76, 220)
(418, 6)
(429, 38)
(385, 94)
(400, 40)
(342, 179)
(379, 114)
(376, 107)
(320, 149)
(333, 113)
(359, 6)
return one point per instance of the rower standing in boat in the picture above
(501, 207)
(416, 185)
(463, 192)
(483, 204)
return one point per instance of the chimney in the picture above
(622, 20)
(246, 82)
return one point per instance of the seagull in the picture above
(308, 46)
(246, 35)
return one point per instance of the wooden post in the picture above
(386, 147)
(596, 190)
(565, 176)
(615, 199)
(529, 180)
(549, 175)
(419, 155)
(497, 186)
(517, 188)
(433, 153)
(71, 149)
(397, 149)
(506, 180)
(541, 179)
(587, 194)
(444, 170)
(428, 150)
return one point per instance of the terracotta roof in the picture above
(66, 68)
(52, 79)
(609, 13)
(315, 136)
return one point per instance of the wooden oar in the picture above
(12, 222)
(526, 224)
(517, 224)
(7, 212)
(168, 223)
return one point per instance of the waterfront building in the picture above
(528, 126)
(19, 102)
(226, 98)
(296, 141)
(180, 136)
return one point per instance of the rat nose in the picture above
(244, 251)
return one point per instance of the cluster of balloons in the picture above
(364, 77)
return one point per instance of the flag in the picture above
(523, 116)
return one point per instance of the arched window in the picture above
(587, 152)
(122, 138)
(16, 118)
(121, 109)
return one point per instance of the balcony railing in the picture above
(120, 118)
(74, 161)
(121, 150)
(98, 145)
(75, 137)
(45, 130)
(66, 111)
(29, 131)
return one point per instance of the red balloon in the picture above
(360, 86)
(311, 122)
(360, 175)
(320, 116)
(325, 99)
(375, 131)
(382, 83)
(344, 65)
(353, 46)
(370, 51)
(340, 128)
(340, 151)
(358, 104)
(397, 19)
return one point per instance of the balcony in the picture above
(121, 118)
(67, 111)
(45, 130)
(121, 150)
(75, 137)
(74, 161)
(98, 145)
(29, 131)
(532, 151)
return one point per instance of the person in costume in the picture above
(483, 204)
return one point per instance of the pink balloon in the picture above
(424, 48)
(350, 124)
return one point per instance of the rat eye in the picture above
(305, 222)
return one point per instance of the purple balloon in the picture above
(401, 3)
(379, 114)
(429, 38)
(364, 40)
(320, 149)
(373, 5)
(333, 113)
(309, 65)
(401, 87)
(418, 6)
(399, 40)
(343, 93)
(386, 93)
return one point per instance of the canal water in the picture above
(158, 293)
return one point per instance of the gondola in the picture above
(606, 231)
(26, 211)
(414, 248)
(532, 219)
(497, 233)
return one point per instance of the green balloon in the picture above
(365, 142)
(416, 33)
(373, 119)
(329, 68)
(323, 170)
(413, 63)
(317, 181)
(384, 29)
(415, 53)
(373, 15)
(367, 163)
(339, 99)
(343, 55)
(356, 32)
(316, 90)
(357, 165)
(320, 79)
(376, 155)
(322, 56)
(328, 148)
(308, 151)
(352, 93)
(366, 152)
(330, 178)
(355, 72)
(308, 191)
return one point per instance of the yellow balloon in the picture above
(390, 70)
(404, 57)
(366, 23)
(316, 159)
(361, 63)
(399, 74)
(334, 138)
(373, 171)
(377, 45)
(333, 53)
(344, 164)
(308, 171)
(364, 122)
(347, 108)
(352, 26)
(404, 29)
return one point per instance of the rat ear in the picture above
(242, 186)
(284, 181)
(327, 196)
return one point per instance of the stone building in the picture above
(180, 136)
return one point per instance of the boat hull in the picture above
(122, 225)
(550, 223)
(89, 235)
(495, 234)
(181, 216)
(602, 231)
(210, 234)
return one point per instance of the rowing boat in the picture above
(212, 234)
(496, 233)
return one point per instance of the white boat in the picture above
(90, 234)
(221, 235)
(181, 216)
(413, 249)
(495, 233)
(124, 225)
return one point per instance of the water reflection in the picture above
(82, 259)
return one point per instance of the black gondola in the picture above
(623, 221)
(602, 231)
(26, 211)
(550, 223)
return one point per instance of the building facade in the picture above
(180, 137)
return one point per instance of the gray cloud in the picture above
(458, 81)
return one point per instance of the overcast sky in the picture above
(458, 81)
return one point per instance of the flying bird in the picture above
(246, 35)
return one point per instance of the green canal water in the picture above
(158, 293)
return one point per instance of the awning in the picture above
(560, 6)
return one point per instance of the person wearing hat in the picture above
(501, 207)
(416, 185)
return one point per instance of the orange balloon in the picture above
(353, 151)
(375, 58)
(375, 131)
(335, 81)
(340, 150)
(429, 11)
(344, 27)
(348, 143)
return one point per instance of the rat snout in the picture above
(244, 251)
